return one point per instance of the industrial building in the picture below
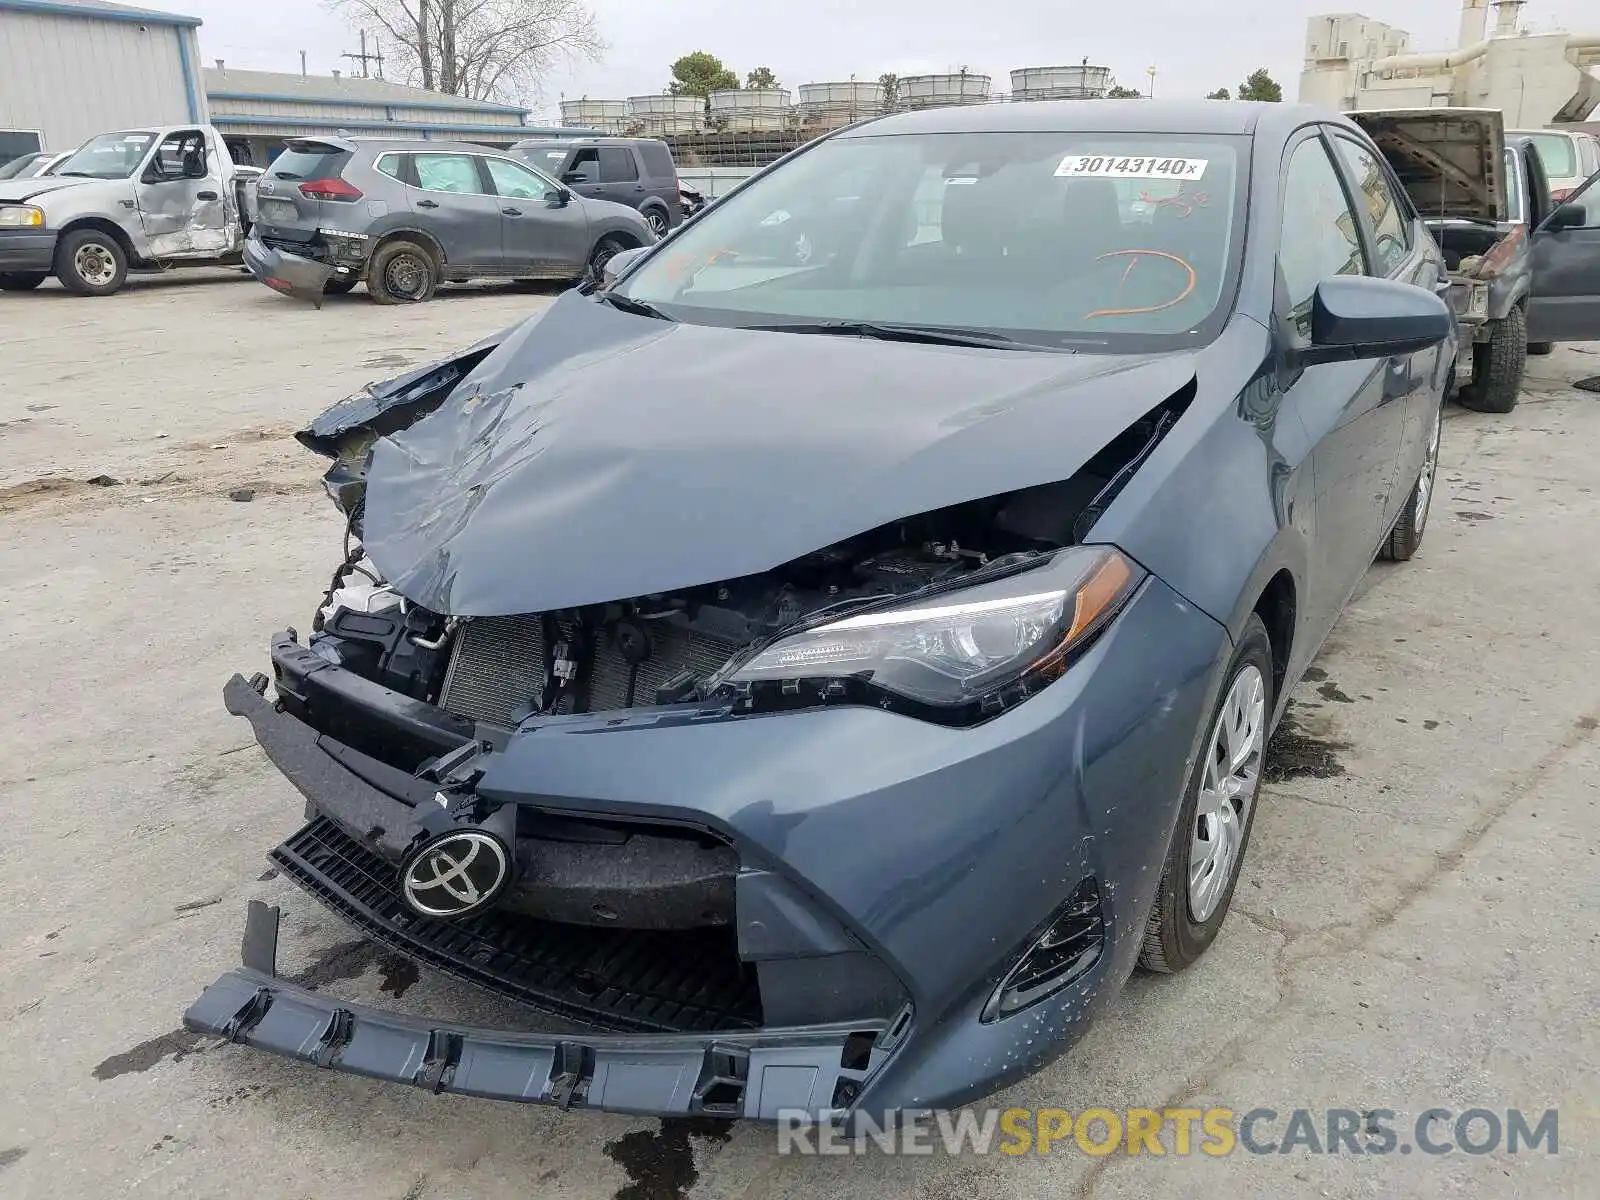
(258, 110)
(73, 68)
(1534, 78)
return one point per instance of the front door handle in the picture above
(512, 212)
(427, 204)
(1443, 287)
(205, 195)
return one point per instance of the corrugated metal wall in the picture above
(73, 77)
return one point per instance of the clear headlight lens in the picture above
(21, 216)
(972, 653)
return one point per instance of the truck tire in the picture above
(402, 272)
(1497, 366)
(1540, 349)
(90, 262)
(21, 281)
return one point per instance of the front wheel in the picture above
(91, 263)
(401, 272)
(21, 281)
(1497, 366)
(1406, 536)
(1219, 807)
(605, 250)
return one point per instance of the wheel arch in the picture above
(408, 233)
(101, 225)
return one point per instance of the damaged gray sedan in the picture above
(819, 684)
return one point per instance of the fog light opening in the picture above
(1070, 942)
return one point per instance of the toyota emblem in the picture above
(456, 875)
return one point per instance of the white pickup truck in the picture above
(150, 199)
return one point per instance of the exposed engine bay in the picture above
(668, 649)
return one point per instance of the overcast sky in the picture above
(1194, 46)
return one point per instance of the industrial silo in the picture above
(940, 91)
(1082, 82)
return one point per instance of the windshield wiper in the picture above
(933, 335)
(638, 308)
(77, 174)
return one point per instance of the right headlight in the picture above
(21, 216)
(958, 658)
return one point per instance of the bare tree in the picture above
(482, 49)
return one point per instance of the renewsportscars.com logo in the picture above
(1214, 1132)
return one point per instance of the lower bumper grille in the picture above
(498, 665)
(616, 979)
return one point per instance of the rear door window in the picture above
(657, 160)
(617, 165)
(448, 173)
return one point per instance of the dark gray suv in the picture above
(406, 216)
(638, 172)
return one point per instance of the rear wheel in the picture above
(1219, 807)
(90, 263)
(402, 272)
(21, 281)
(1406, 536)
(658, 221)
(1497, 366)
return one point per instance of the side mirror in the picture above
(618, 263)
(1568, 216)
(572, 177)
(560, 197)
(1356, 317)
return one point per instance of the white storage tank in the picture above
(1082, 82)
(662, 114)
(938, 91)
(744, 110)
(833, 104)
(608, 116)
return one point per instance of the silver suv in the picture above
(406, 216)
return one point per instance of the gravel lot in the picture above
(1419, 923)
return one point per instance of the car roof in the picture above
(1096, 116)
(529, 143)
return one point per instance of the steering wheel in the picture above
(1135, 257)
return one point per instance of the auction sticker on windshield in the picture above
(1112, 166)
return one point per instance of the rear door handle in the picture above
(427, 204)
(205, 195)
(638, 187)
(512, 212)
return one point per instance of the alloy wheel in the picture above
(658, 222)
(1227, 790)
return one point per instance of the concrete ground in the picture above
(1418, 925)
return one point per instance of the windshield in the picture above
(109, 156)
(17, 166)
(1558, 154)
(1063, 239)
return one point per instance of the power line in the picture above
(364, 58)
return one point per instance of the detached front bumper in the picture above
(295, 275)
(27, 251)
(758, 1075)
(891, 873)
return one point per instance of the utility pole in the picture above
(364, 58)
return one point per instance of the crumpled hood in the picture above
(598, 456)
(20, 191)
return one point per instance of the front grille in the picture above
(497, 667)
(624, 980)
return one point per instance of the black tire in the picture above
(339, 287)
(91, 263)
(1540, 349)
(1497, 366)
(660, 223)
(604, 251)
(21, 281)
(1173, 939)
(402, 272)
(1406, 536)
